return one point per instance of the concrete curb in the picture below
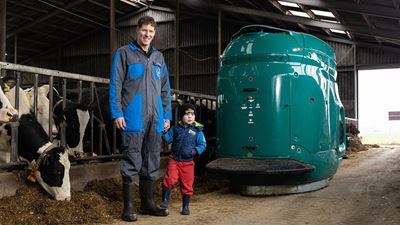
(80, 175)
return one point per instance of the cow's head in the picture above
(53, 173)
(24, 105)
(7, 111)
(35, 146)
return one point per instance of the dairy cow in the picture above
(25, 106)
(50, 164)
(103, 114)
(75, 117)
(42, 107)
(7, 114)
(7, 111)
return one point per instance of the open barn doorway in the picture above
(379, 106)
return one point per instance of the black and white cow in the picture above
(26, 99)
(9, 100)
(103, 113)
(75, 117)
(7, 111)
(43, 108)
(33, 144)
(53, 164)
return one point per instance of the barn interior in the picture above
(82, 36)
(78, 39)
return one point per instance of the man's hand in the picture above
(167, 124)
(120, 123)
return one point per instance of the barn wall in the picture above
(198, 56)
(366, 58)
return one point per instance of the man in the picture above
(140, 104)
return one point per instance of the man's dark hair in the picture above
(145, 20)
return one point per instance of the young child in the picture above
(187, 140)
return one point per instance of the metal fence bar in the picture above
(91, 117)
(35, 96)
(64, 105)
(14, 125)
(13, 165)
(14, 144)
(80, 91)
(51, 84)
(55, 73)
(192, 94)
(208, 100)
(17, 85)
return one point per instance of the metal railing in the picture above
(205, 104)
(352, 121)
(51, 75)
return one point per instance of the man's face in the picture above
(145, 35)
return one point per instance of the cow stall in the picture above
(71, 95)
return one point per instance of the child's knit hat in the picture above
(184, 107)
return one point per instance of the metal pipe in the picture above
(3, 36)
(51, 84)
(14, 125)
(64, 105)
(103, 130)
(17, 85)
(112, 30)
(176, 55)
(219, 34)
(355, 84)
(80, 91)
(114, 147)
(91, 117)
(101, 126)
(14, 141)
(35, 96)
(100, 157)
(15, 49)
(55, 73)
(196, 95)
(13, 165)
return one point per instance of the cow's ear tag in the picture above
(6, 88)
(32, 175)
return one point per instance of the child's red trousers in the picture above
(180, 170)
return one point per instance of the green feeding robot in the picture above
(280, 121)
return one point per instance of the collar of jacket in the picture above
(134, 46)
(194, 124)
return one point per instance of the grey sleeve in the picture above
(116, 81)
(166, 93)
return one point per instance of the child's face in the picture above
(189, 117)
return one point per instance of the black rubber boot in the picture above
(165, 198)
(128, 213)
(185, 205)
(147, 205)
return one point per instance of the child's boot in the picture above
(185, 205)
(166, 192)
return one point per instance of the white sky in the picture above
(379, 93)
